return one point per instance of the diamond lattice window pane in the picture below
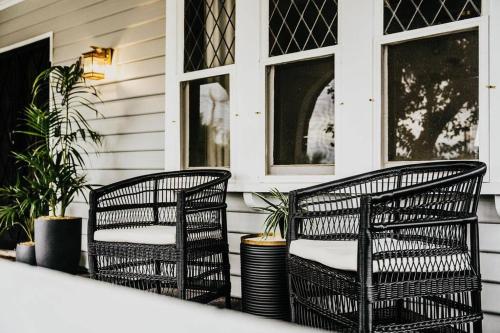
(404, 15)
(299, 25)
(209, 27)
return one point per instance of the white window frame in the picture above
(177, 132)
(359, 103)
(49, 35)
(269, 63)
(304, 171)
(381, 43)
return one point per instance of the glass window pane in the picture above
(209, 27)
(403, 15)
(433, 98)
(208, 122)
(304, 113)
(298, 25)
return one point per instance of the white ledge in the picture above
(40, 300)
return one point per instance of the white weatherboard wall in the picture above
(133, 95)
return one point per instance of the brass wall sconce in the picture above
(95, 62)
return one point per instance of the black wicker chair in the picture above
(164, 232)
(388, 251)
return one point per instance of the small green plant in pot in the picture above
(22, 204)
(277, 208)
(55, 161)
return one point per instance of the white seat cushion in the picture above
(152, 234)
(343, 255)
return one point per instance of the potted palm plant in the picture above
(55, 161)
(277, 208)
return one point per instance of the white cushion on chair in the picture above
(343, 255)
(152, 234)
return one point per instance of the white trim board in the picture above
(49, 35)
(4, 4)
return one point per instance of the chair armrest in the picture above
(201, 212)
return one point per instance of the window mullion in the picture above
(354, 108)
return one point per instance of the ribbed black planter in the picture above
(58, 243)
(264, 282)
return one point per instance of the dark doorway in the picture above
(18, 69)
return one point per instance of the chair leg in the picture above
(158, 273)
(292, 309)
(365, 318)
(181, 279)
(226, 268)
(93, 268)
(476, 305)
(227, 278)
(399, 310)
(228, 300)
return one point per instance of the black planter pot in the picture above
(58, 243)
(25, 253)
(264, 281)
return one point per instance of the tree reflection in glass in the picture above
(433, 98)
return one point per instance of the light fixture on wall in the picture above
(95, 62)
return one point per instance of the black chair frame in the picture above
(196, 267)
(417, 267)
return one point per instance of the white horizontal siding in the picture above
(118, 39)
(143, 123)
(128, 107)
(143, 160)
(145, 50)
(124, 19)
(132, 89)
(488, 235)
(491, 323)
(489, 243)
(131, 117)
(103, 177)
(144, 141)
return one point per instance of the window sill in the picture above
(290, 183)
(282, 183)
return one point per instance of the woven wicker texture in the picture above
(417, 225)
(196, 267)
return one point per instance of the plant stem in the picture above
(30, 237)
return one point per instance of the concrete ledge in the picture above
(34, 300)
